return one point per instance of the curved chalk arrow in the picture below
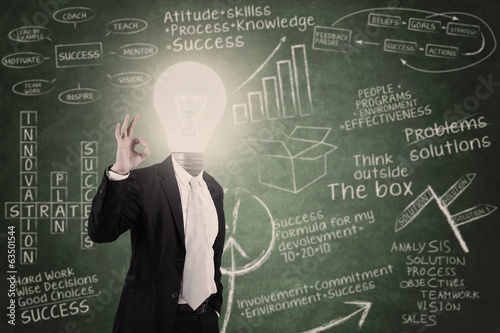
(483, 44)
(232, 244)
(451, 15)
(384, 8)
(230, 295)
(364, 308)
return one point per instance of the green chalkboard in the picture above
(358, 149)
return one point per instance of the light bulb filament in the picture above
(190, 109)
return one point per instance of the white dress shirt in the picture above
(210, 213)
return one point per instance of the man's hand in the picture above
(126, 156)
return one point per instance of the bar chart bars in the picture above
(284, 95)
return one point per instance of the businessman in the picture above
(174, 211)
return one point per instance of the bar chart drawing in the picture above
(284, 95)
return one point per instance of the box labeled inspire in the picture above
(292, 162)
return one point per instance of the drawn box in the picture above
(292, 162)
(331, 39)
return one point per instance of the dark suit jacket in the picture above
(148, 203)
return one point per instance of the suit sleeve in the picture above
(115, 209)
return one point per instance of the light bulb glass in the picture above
(189, 98)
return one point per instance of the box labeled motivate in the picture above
(292, 162)
(331, 39)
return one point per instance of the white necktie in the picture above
(195, 283)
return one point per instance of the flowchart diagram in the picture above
(424, 41)
(77, 55)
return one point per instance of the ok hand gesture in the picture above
(126, 155)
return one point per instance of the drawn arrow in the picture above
(450, 221)
(413, 209)
(388, 9)
(453, 18)
(282, 40)
(483, 44)
(361, 42)
(236, 209)
(231, 242)
(473, 214)
(405, 63)
(456, 189)
(364, 307)
(230, 295)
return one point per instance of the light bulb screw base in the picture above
(191, 162)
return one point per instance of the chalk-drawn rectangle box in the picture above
(400, 46)
(28, 164)
(58, 195)
(85, 212)
(29, 179)
(383, 20)
(302, 84)
(28, 134)
(271, 101)
(58, 179)
(90, 180)
(425, 25)
(256, 106)
(78, 55)
(58, 226)
(331, 39)
(28, 119)
(28, 149)
(89, 148)
(292, 162)
(463, 30)
(87, 243)
(59, 211)
(88, 194)
(29, 225)
(29, 210)
(240, 114)
(29, 195)
(28, 256)
(441, 51)
(285, 82)
(29, 240)
(12, 210)
(84, 226)
(89, 164)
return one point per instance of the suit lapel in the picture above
(210, 184)
(171, 190)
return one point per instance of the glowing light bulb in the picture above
(189, 98)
